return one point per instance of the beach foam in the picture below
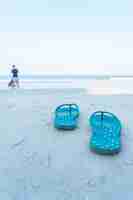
(98, 86)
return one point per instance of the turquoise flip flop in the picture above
(106, 133)
(66, 116)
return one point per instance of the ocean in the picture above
(93, 84)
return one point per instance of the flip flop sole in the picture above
(65, 127)
(66, 118)
(106, 138)
(105, 151)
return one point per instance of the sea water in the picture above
(93, 84)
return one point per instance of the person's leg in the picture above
(17, 82)
(11, 83)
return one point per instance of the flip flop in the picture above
(66, 116)
(106, 133)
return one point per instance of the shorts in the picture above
(15, 79)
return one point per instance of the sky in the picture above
(66, 8)
(51, 32)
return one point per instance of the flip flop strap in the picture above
(69, 105)
(102, 115)
(104, 112)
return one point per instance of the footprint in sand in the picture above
(128, 162)
(92, 104)
(19, 143)
(96, 181)
(11, 106)
(92, 183)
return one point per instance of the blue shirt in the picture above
(15, 72)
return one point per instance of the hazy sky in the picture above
(66, 8)
(41, 32)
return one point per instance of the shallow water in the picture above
(94, 86)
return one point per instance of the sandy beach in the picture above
(65, 52)
(39, 162)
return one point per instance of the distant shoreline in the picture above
(34, 77)
(75, 77)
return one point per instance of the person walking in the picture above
(15, 80)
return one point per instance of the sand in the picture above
(38, 162)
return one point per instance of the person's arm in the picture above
(12, 72)
(17, 72)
